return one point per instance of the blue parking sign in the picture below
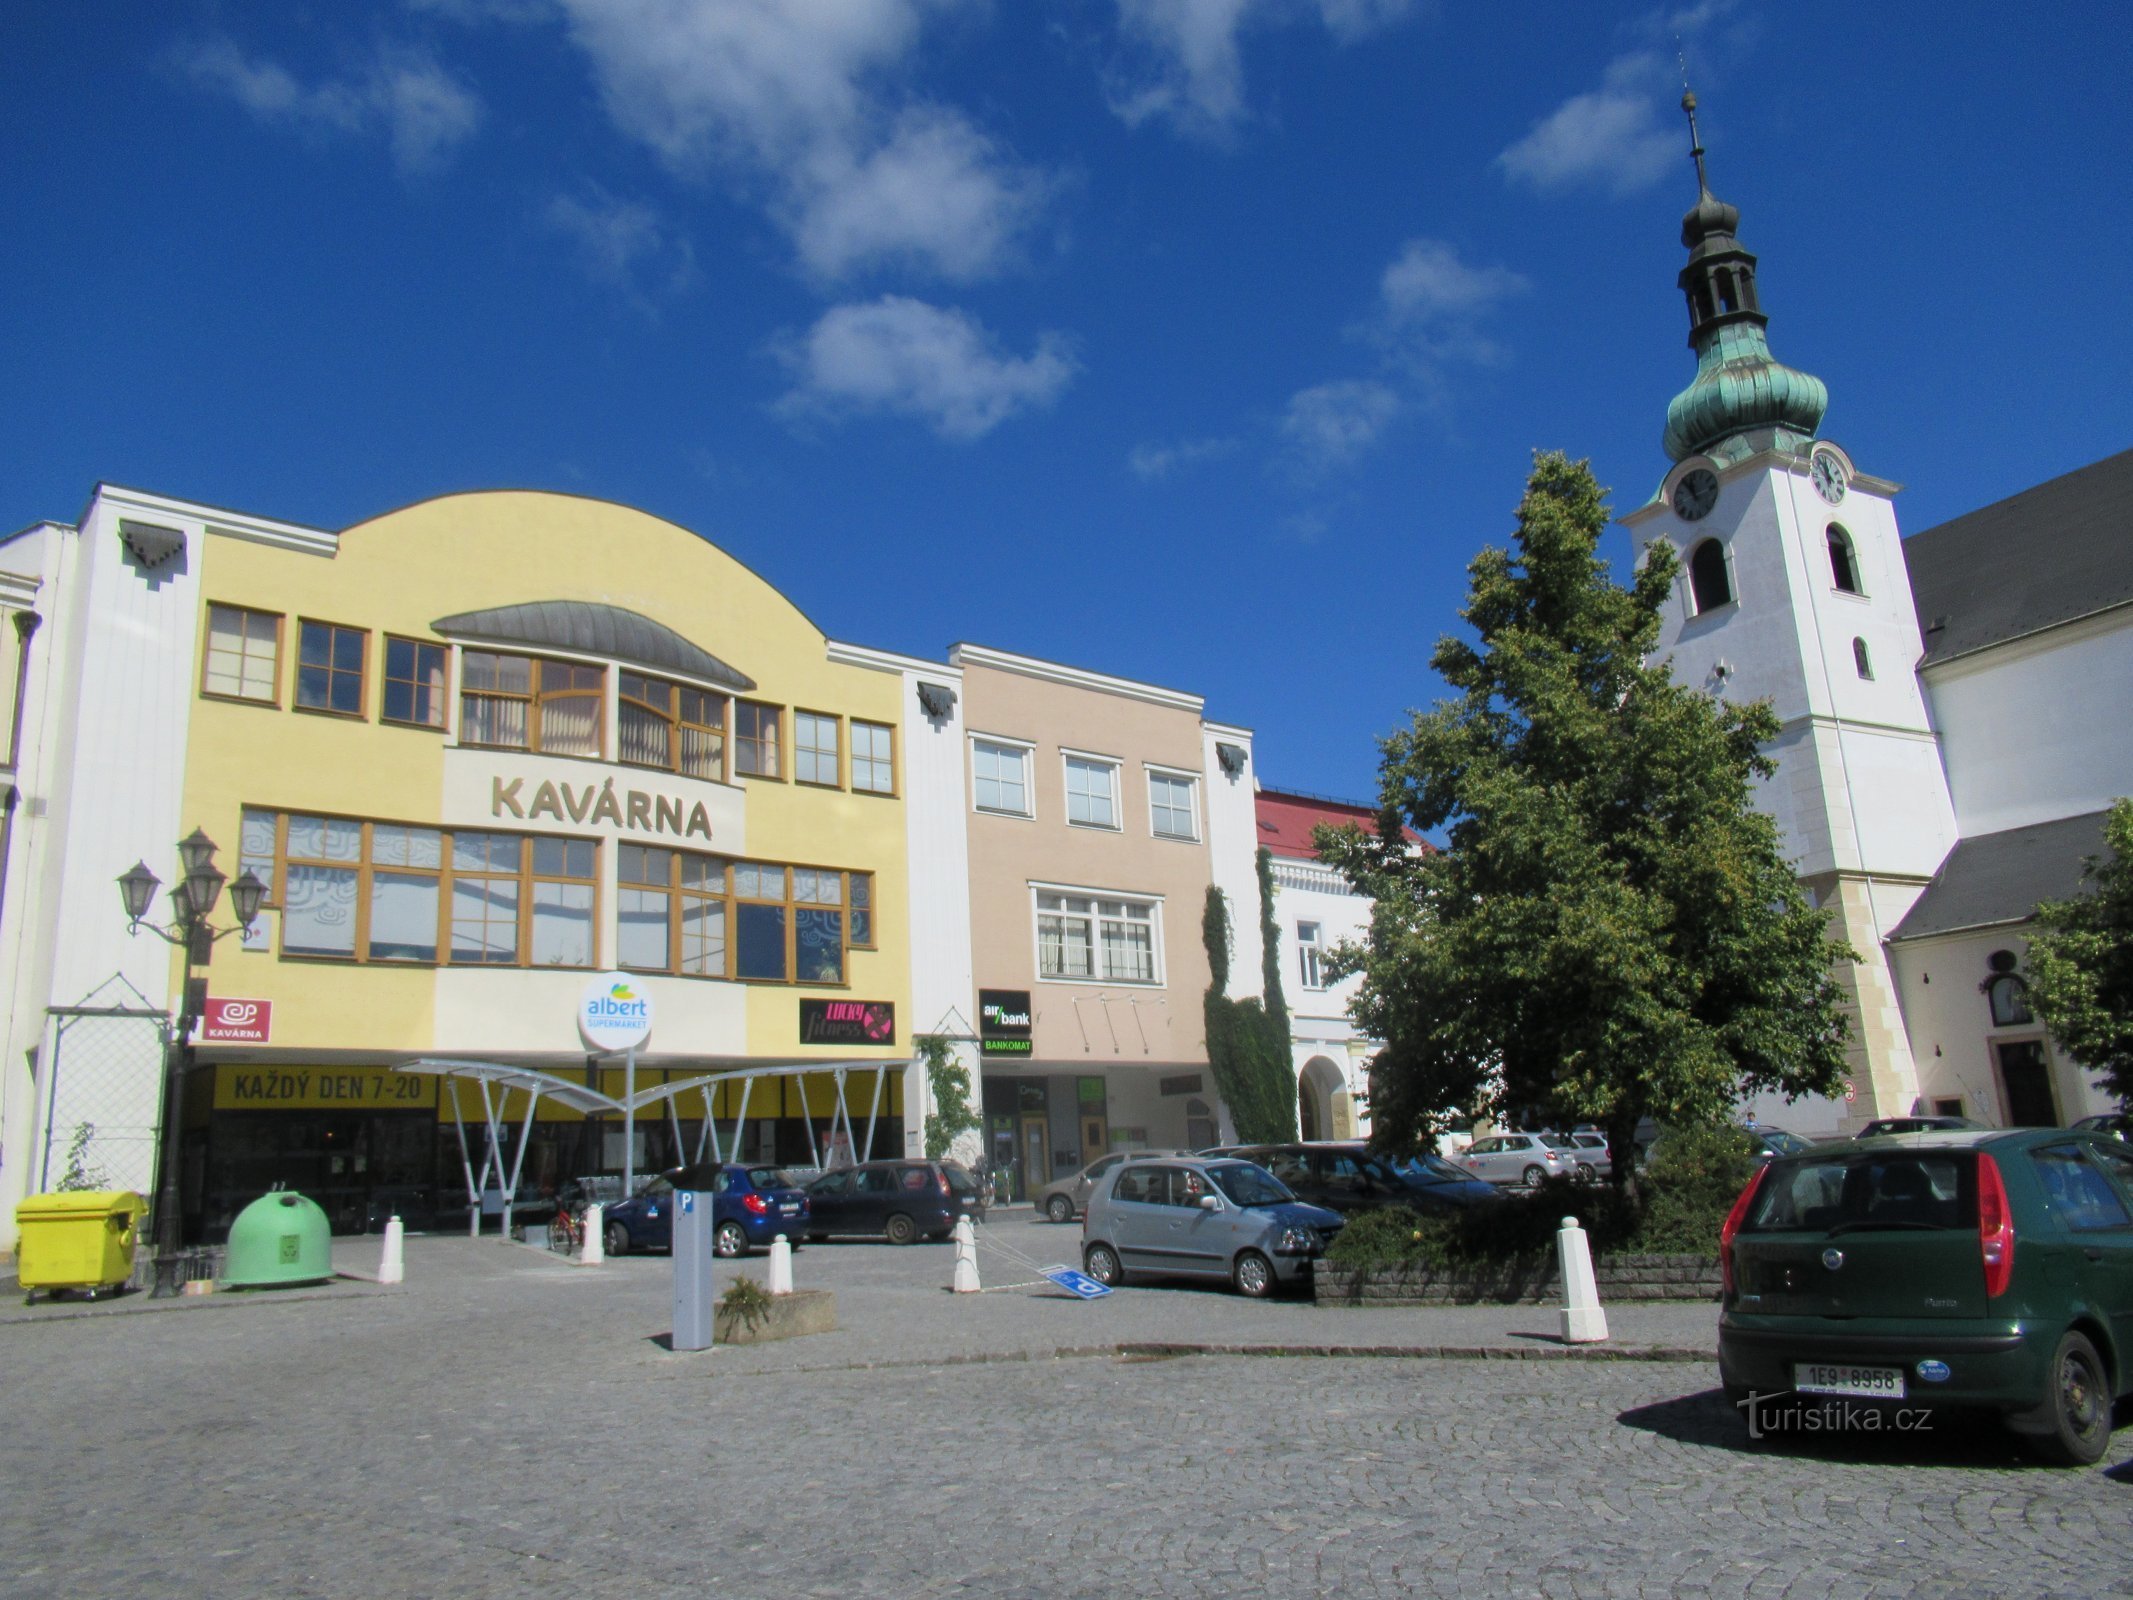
(1079, 1283)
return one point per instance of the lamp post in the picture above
(192, 902)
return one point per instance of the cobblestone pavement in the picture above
(505, 1426)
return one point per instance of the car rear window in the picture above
(959, 1179)
(1928, 1190)
(772, 1178)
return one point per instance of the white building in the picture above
(1949, 703)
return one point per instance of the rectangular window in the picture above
(1092, 792)
(1084, 936)
(414, 682)
(329, 668)
(671, 726)
(1172, 813)
(760, 922)
(562, 903)
(818, 924)
(406, 879)
(1000, 775)
(257, 849)
(486, 873)
(755, 739)
(815, 757)
(527, 703)
(862, 898)
(1309, 955)
(873, 758)
(673, 911)
(243, 654)
(320, 887)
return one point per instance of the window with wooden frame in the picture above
(873, 758)
(756, 921)
(815, 754)
(671, 726)
(243, 656)
(531, 703)
(672, 911)
(756, 737)
(859, 928)
(414, 683)
(382, 892)
(329, 667)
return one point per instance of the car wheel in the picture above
(618, 1239)
(2079, 1406)
(1588, 1173)
(900, 1230)
(1101, 1262)
(1059, 1208)
(1253, 1275)
(1535, 1177)
(729, 1239)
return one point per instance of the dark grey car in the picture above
(1191, 1218)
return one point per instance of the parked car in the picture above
(2114, 1123)
(1344, 1176)
(750, 1206)
(900, 1201)
(1769, 1142)
(1516, 1158)
(1595, 1160)
(1884, 1125)
(1971, 1269)
(1064, 1199)
(1189, 1217)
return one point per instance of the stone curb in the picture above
(137, 1305)
(1145, 1350)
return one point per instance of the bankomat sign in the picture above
(614, 1012)
(1004, 1022)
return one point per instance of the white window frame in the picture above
(1068, 759)
(1191, 780)
(1096, 900)
(1310, 956)
(1025, 751)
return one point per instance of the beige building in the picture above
(1100, 812)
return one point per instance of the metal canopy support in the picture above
(881, 1084)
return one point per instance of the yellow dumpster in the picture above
(82, 1240)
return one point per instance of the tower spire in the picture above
(1743, 397)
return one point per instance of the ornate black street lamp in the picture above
(192, 902)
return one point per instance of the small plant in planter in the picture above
(747, 1302)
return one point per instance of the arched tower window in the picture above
(1861, 660)
(1708, 582)
(1843, 561)
(2009, 997)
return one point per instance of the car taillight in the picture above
(755, 1203)
(941, 1178)
(1734, 1219)
(1995, 1228)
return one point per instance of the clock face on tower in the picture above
(1827, 470)
(1695, 494)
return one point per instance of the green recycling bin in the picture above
(278, 1240)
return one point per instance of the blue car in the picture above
(750, 1206)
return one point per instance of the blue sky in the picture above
(1200, 341)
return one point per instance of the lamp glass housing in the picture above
(137, 888)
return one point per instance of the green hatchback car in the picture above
(1987, 1270)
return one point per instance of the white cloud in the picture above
(1152, 461)
(623, 242)
(905, 358)
(1331, 424)
(797, 102)
(402, 92)
(1611, 136)
(1184, 59)
(1431, 305)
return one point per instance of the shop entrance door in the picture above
(1036, 1153)
(1094, 1136)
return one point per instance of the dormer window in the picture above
(1709, 584)
(1843, 562)
(528, 703)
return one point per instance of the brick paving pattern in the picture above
(506, 1426)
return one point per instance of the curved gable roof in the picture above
(592, 629)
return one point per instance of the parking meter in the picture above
(694, 1234)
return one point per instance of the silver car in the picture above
(1184, 1217)
(1589, 1150)
(1517, 1158)
(1064, 1199)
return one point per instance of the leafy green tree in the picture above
(949, 1083)
(2080, 966)
(1610, 931)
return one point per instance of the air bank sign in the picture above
(615, 1012)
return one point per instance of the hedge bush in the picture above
(1693, 1179)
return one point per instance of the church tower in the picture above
(1793, 589)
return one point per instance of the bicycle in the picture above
(566, 1234)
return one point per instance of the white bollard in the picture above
(392, 1263)
(966, 1257)
(595, 1248)
(780, 1265)
(1583, 1320)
